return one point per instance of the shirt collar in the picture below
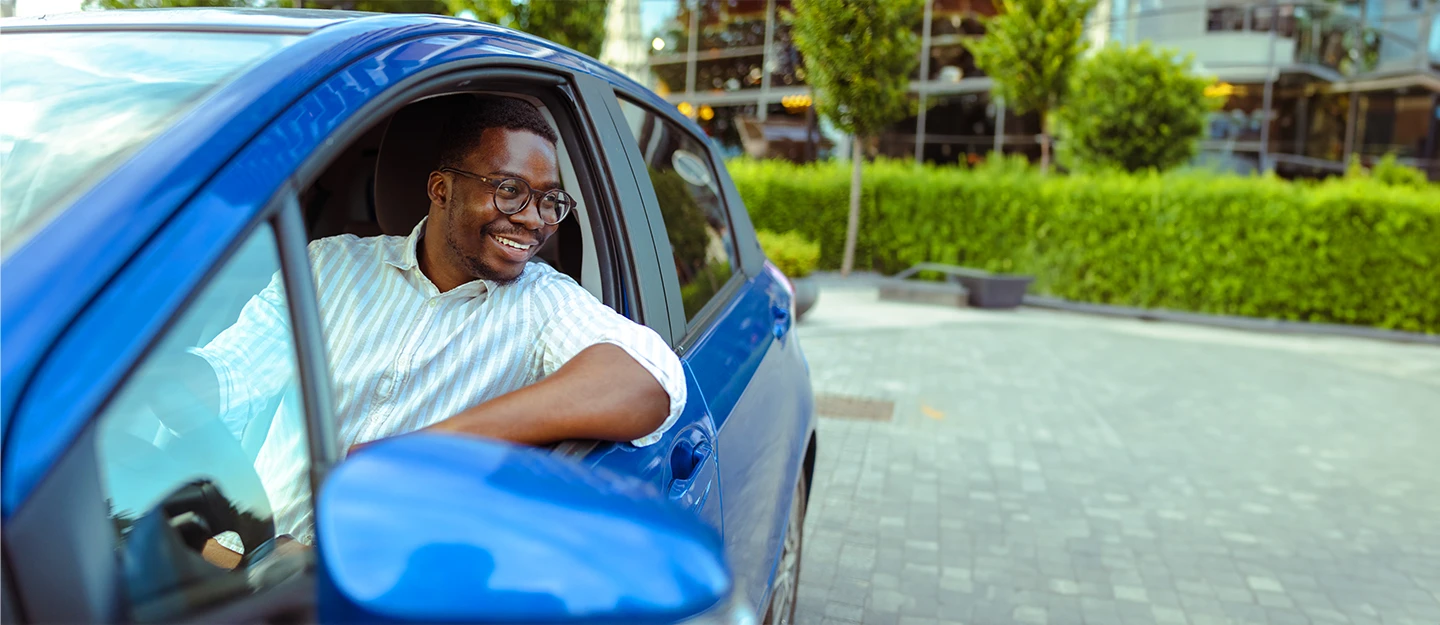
(403, 257)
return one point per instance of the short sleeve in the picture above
(579, 321)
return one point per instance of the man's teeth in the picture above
(510, 243)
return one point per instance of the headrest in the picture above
(409, 151)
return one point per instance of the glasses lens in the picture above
(555, 206)
(511, 193)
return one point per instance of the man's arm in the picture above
(602, 393)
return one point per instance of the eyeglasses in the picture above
(512, 195)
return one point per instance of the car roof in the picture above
(200, 19)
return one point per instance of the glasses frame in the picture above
(568, 199)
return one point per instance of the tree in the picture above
(578, 24)
(1029, 51)
(1134, 108)
(858, 59)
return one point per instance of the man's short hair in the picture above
(471, 119)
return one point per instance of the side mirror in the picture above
(430, 528)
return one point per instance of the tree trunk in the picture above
(1044, 144)
(853, 228)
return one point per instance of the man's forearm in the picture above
(602, 393)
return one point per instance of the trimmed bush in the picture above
(1340, 251)
(795, 255)
(1391, 171)
(1133, 108)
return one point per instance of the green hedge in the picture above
(1340, 251)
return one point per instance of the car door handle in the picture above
(686, 462)
(782, 319)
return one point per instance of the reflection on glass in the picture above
(1435, 42)
(1394, 124)
(787, 68)
(951, 63)
(1399, 42)
(690, 204)
(730, 73)
(724, 127)
(207, 484)
(669, 77)
(73, 103)
(665, 24)
(728, 24)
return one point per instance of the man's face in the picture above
(486, 243)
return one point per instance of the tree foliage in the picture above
(578, 24)
(1134, 108)
(858, 59)
(1029, 51)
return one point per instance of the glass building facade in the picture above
(1356, 77)
(733, 67)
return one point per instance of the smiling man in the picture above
(452, 328)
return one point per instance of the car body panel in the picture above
(754, 378)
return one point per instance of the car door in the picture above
(122, 527)
(732, 321)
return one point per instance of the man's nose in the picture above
(529, 216)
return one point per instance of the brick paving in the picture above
(1044, 468)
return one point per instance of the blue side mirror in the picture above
(429, 529)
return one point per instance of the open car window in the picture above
(204, 450)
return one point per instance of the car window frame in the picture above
(691, 329)
(81, 461)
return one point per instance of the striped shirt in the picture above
(404, 356)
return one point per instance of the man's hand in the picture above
(602, 393)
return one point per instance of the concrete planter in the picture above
(916, 292)
(995, 290)
(806, 294)
(984, 289)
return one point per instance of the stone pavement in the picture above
(1044, 467)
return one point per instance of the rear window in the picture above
(74, 104)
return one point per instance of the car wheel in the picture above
(787, 575)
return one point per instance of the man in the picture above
(451, 329)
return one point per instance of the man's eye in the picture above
(509, 188)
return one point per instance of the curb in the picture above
(870, 279)
(1274, 326)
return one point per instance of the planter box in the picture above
(944, 294)
(986, 290)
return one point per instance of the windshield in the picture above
(73, 104)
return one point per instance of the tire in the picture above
(785, 588)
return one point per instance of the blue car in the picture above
(160, 167)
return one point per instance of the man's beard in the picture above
(477, 267)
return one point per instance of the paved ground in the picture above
(1052, 468)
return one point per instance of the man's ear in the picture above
(438, 189)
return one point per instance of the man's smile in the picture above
(508, 242)
(513, 249)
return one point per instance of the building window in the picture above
(1225, 19)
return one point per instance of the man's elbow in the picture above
(651, 411)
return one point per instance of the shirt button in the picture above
(432, 303)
